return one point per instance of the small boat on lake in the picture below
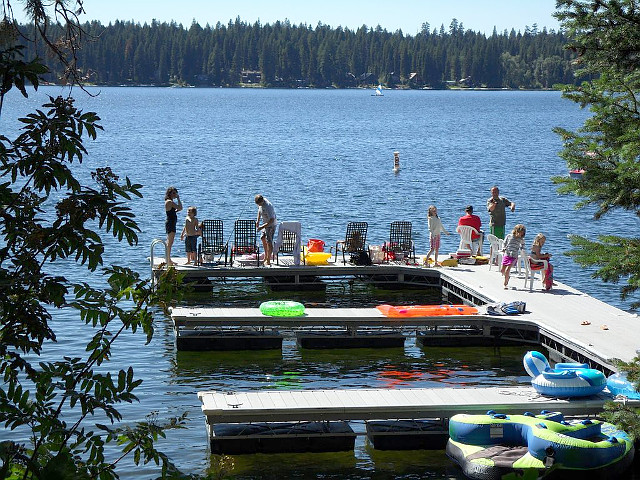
(576, 173)
(378, 92)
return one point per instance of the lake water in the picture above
(325, 157)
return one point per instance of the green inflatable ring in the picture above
(282, 308)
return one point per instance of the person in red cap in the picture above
(472, 221)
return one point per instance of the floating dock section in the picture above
(228, 340)
(571, 325)
(276, 437)
(347, 328)
(408, 434)
(413, 417)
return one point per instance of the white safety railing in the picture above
(151, 260)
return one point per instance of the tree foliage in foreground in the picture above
(605, 34)
(60, 415)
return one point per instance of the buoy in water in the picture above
(396, 162)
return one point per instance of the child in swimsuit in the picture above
(513, 243)
(190, 233)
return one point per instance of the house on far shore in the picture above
(393, 78)
(367, 78)
(201, 79)
(251, 76)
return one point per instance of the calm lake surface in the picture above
(325, 157)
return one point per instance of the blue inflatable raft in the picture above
(619, 384)
(565, 379)
(497, 446)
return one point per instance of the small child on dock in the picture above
(544, 260)
(435, 229)
(513, 243)
(191, 231)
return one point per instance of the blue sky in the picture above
(408, 15)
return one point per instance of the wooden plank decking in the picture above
(323, 317)
(369, 404)
(611, 332)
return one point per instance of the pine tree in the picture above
(606, 37)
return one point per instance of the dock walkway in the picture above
(607, 332)
(370, 404)
(570, 323)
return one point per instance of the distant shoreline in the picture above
(254, 86)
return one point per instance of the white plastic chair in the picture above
(465, 232)
(529, 274)
(292, 241)
(495, 250)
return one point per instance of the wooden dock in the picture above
(568, 319)
(370, 404)
(288, 274)
(571, 324)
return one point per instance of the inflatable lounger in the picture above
(499, 446)
(425, 310)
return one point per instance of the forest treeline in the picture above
(287, 55)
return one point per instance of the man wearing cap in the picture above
(472, 221)
(496, 205)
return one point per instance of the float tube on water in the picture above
(282, 308)
(496, 446)
(565, 380)
(425, 310)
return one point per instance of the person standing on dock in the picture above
(496, 205)
(435, 229)
(190, 233)
(267, 214)
(172, 205)
(512, 246)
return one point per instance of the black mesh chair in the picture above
(213, 242)
(400, 242)
(355, 240)
(244, 240)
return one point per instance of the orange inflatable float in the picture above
(425, 310)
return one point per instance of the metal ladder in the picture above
(166, 255)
